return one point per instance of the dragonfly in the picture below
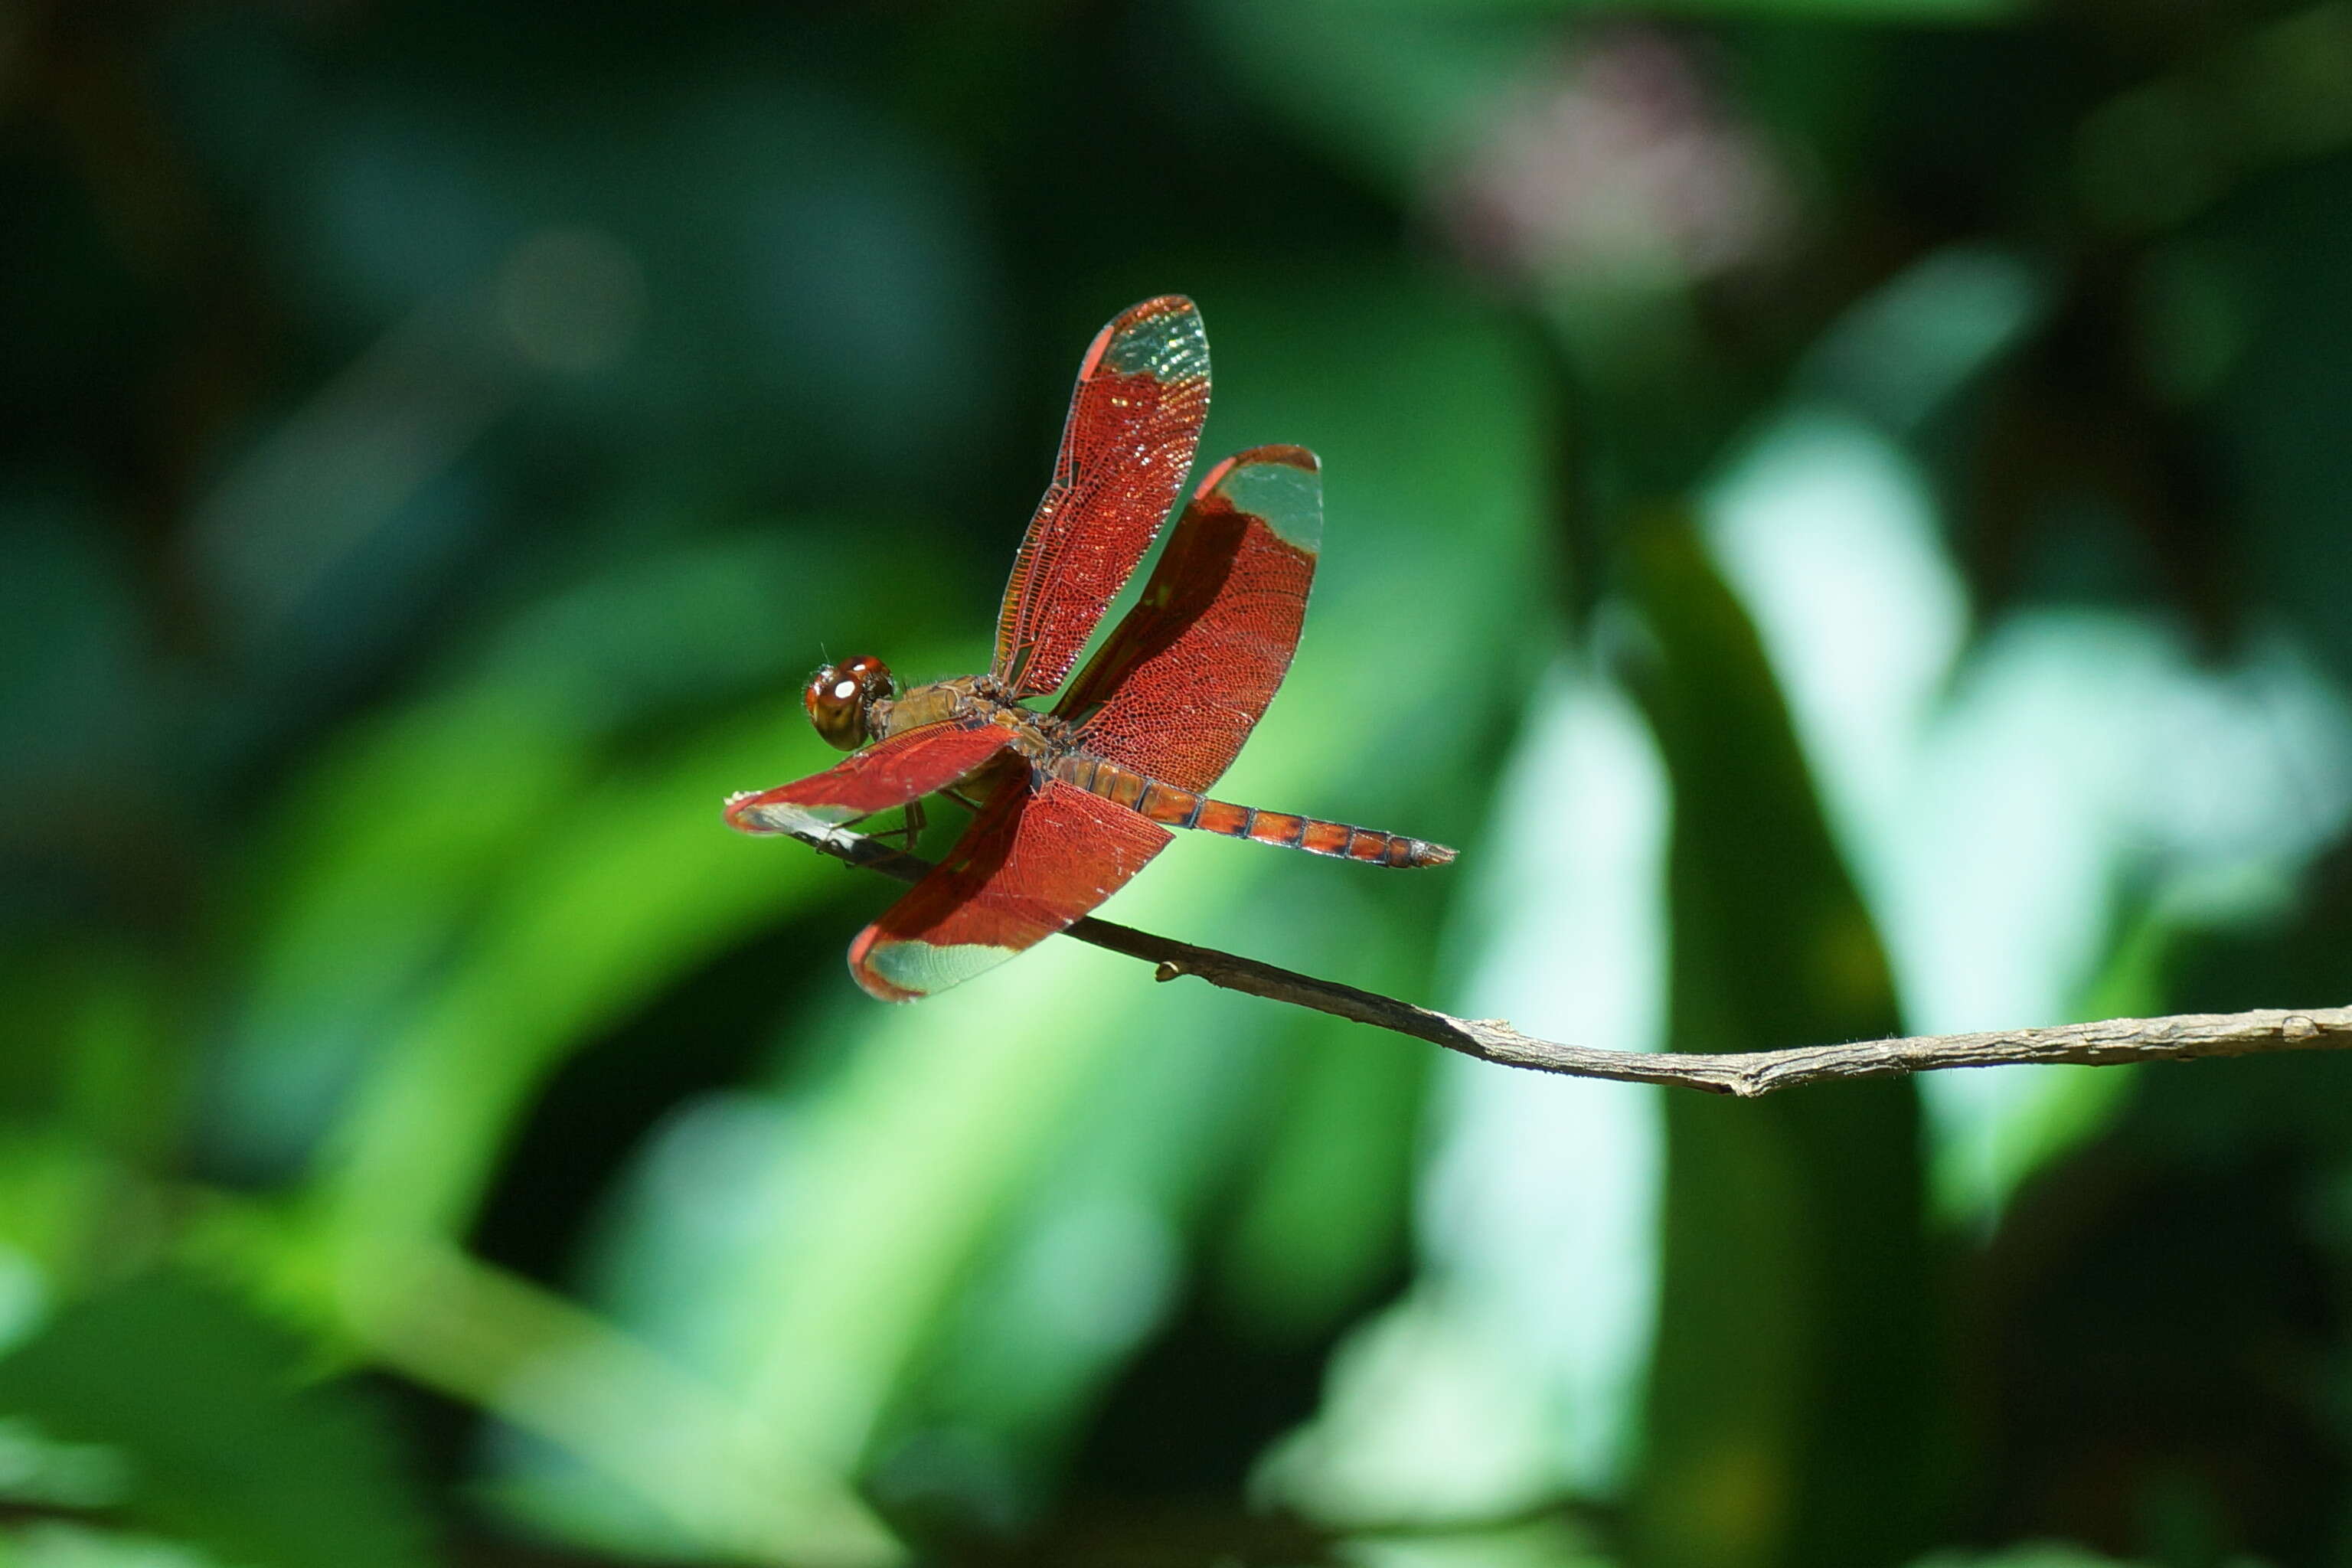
(1070, 803)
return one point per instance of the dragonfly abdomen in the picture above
(1172, 806)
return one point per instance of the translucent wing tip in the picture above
(1162, 337)
(757, 811)
(1154, 309)
(1291, 456)
(907, 970)
(1281, 485)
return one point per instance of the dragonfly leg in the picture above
(910, 828)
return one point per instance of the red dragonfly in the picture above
(1070, 803)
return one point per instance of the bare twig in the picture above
(2112, 1041)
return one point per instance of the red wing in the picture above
(1028, 865)
(1143, 390)
(1176, 688)
(900, 769)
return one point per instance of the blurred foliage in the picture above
(1836, 505)
(179, 1409)
(1791, 1417)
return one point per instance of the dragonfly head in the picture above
(840, 698)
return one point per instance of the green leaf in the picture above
(56, 1544)
(216, 1443)
(635, 881)
(2032, 1554)
(1788, 1399)
(1323, 1218)
(385, 856)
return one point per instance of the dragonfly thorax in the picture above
(840, 699)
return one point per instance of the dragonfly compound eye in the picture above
(838, 695)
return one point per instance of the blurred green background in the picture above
(1838, 507)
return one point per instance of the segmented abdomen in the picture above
(1174, 807)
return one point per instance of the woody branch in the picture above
(2181, 1037)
